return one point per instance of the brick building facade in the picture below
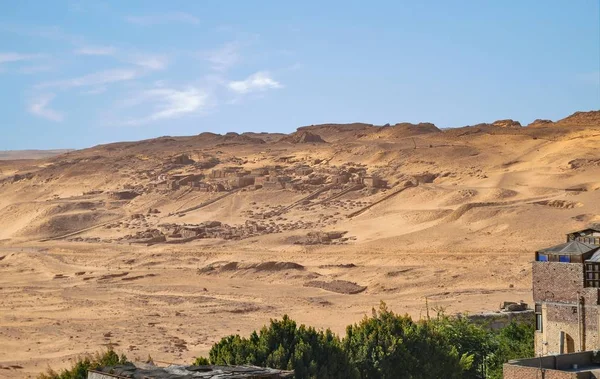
(566, 281)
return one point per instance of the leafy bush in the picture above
(511, 342)
(81, 367)
(469, 339)
(387, 345)
(284, 345)
(201, 361)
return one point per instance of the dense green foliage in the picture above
(385, 345)
(284, 345)
(511, 342)
(80, 368)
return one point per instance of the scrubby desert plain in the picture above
(151, 247)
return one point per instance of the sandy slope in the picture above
(483, 199)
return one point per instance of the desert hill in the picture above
(144, 243)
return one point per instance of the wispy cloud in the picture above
(96, 50)
(39, 106)
(150, 62)
(168, 103)
(260, 81)
(94, 91)
(16, 57)
(166, 18)
(96, 79)
(223, 58)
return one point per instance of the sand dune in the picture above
(112, 245)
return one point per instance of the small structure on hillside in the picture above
(270, 182)
(241, 181)
(303, 171)
(123, 195)
(182, 159)
(341, 178)
(186, 372)
(374, 181)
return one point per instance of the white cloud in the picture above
(223, 58)
(166, 18)
(40, 107)
(168, 103)
(96, 50)
(260, 81)
(95, 79)
(150, 62)
(16, 57)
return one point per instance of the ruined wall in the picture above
(499, 320)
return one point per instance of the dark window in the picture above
(542, 258)
(592, 275)
(564, 258)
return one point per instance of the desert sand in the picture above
(161, 247)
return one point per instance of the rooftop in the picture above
(187, 372)
(583, 362)
(570, 248)
(595, 257)
(593, 228)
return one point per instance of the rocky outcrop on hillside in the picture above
(540, 122)
(508, 123)
(591, 118)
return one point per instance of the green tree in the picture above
(469, 339)
(387, 345)
(284, 345)
(511, 342)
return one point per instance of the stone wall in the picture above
(554, 281)
(520, 372)
(563, 317)
(498, 320)
(551, 367)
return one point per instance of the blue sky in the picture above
(78, 73)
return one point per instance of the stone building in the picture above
(241, 181)
(566, 285)
(374, 181)
(566, 291)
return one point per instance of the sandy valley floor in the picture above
(456, 227)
